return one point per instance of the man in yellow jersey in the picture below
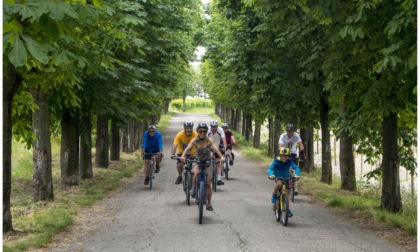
(181, 141)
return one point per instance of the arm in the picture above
(160, 142)
(173, 149)
(296, 168)
(214, 146)
(233, 140)
(270, 170)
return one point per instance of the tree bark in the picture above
(42, 183)
(325, 138)
(271, 145)
(391, 195)
(257, 135)
(102, 142)
(131, 135)
(347, 165)
(85, 163)
(11, 82)
(115, 141)
(69, 156)
(307, 136)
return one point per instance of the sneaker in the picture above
(192, 193)
(296, 192)
(146, 181)
(273, 198)
(209, 207)
(231, 162)
(178, 181)
(157, 169)
(289, 213)
(220, 182)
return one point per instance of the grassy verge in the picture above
(36, 223)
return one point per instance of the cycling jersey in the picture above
(282, 170)
(290, 142)
(182, 140)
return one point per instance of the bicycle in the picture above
(292, 181)
(201, 187)
(226, 165)
(187, 178)
(281, 207)
(152, 168)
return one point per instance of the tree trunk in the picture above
(347, 166)
(277, 134)
(271, 142)
(11, 83)
(85, 163)
(124, 140)
(257, 135)
(69, 157)
(131, 135)
(326, 145)
(42, 183)
(307, 136)
(391, 195)
(238, 120)
(137, 132)
(248, 127)
(102, 154)
(115, 141)
(184, 105)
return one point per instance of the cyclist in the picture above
(280, 168)
(291, 139)
(230, 140)
(152, 143)
(181, 141)
(202, 145)
(218, 135)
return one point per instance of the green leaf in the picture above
(18, 55)
(58, 9)
(98, 3)
(38, 51)
(6, 40)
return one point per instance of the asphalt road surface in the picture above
(139, 219)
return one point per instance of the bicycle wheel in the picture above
(277, 208)
(292, 189)
(202, 200)
(285, 208)
(151, 173)
(214, 179)
(226, 167)
(187, 186)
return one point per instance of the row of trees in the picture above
(348, 67)
(67, 63)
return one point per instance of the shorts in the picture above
(149, 156)
(207, 170)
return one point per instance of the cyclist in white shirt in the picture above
(290, 140)
(218, 135)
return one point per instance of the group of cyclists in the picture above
(206, 142)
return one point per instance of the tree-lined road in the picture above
(139, 219)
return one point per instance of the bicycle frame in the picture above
(281, 206)
(201, 186)
(187, 181)
(152, 168)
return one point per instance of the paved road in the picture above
(242, 220)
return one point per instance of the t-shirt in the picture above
(182, 140)
(290, 142)
(228, 135)
(152, 144)
(216, 136)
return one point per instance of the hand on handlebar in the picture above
(272, 177)
(172, 156)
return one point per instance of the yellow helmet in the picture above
(284, 151)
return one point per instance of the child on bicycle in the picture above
(281, 168)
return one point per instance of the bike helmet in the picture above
(225, 126)
(214, 123)
(290, 127)
(202, 126)
(284, 151)
(188, 124)
(151, 126)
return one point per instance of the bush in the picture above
(192, 103)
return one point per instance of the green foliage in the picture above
(192, 103)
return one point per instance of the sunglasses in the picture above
(151, 131)
(202, 131)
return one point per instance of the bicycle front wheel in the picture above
(202, 201)
(151, 175)
(187, 181)
(284, 209)
(277, 209)
(292, 190)
(226, 168)
(214, 179)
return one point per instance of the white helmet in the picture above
(214, 123)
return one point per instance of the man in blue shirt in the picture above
(281, 169)
(152, 143)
